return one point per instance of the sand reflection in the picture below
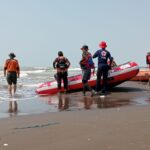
(13, 107)
(63, 102)
(88, 101)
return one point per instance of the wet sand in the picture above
(118, 121)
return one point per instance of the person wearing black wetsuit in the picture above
(103, 56)
(62, 64)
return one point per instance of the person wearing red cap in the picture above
(86, 65)
(103, 56)
(12, 71)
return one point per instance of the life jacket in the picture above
(12, 65)
(62, 63)
(87, 63)
(90, 63)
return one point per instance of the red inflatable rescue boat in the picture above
(116, 76)
(143, 75)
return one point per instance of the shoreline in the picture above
(126, 94)
(119, 121)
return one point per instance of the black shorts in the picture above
(86, 75)
(12, 78)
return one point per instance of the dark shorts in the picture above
(12, 78)
(86, 75)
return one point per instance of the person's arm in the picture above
(68, 63)
(18, 70)
(54, 63)
(5, 67)
(95, 54)
(110, 60)
(5, 72)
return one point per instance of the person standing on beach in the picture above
(62, 64)
(103, 67)
(11, 72)
(86, 65)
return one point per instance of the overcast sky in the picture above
(35, 30)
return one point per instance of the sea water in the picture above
(28, 101)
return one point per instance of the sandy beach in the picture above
(120, 121)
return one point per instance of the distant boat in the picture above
(116, 76)
(143, 75)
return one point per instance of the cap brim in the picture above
(12, 55)
(83, 49)
(103, 46)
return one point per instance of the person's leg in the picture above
(9, 81)
(98, 80)
(10, 90)
(83, 82)
(65, 80)
(13, 89)
(85, 77)
(86, 86)
(14, 85)
(105, 76)
(59, 81)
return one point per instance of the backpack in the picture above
(89, 62)
(62, 63)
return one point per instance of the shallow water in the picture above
(64, 102)
(27, 102)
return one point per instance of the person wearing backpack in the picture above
(86, 65)
(62, 64)
(103, 56)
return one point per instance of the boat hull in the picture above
(116, 76)
(143, 75)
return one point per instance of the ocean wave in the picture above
(74, 69)
(1, 73)
(26, 73)
(32, 85)
(32, 72)
(23, 74)
(41, 68)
